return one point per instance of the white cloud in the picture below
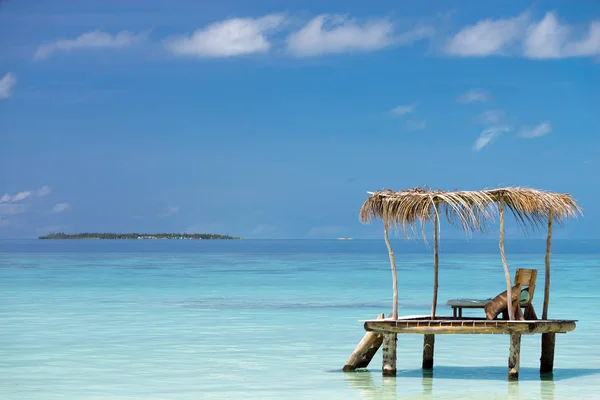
(61, 207)
(537, 131)
(329, 33)
(492, 116)
(21, 196)
(17, 197)
(41, 192)
(44, 191)
(551, 39)
(589, 46)
(170, 210)
(474, 96)
(402, 110)
(487, 37)
(13, 209)
(7, 83)
(416, 125)
(489, 135)
(547, 38)
(228, 38)
(89, 40)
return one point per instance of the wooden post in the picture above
(428, 347)
(389, 354)
(435, 262)
(547, 358)
(547, 262)
(514, 357)
(511, 311)
(548, 339)
(394, 273)
(389, 339)
(365, 350)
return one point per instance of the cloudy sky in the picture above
(272, 119)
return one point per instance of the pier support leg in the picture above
(514, 357)
(428, 346)
(389, 354)
(365, 350)
(547, 358)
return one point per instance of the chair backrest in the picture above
(526, 278)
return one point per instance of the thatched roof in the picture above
(473, 210)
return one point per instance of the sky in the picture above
(272, 119)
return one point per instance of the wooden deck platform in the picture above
(451, 325)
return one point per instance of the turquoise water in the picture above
(273, 320)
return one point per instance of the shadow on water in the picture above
(367, 381)
(487, 373)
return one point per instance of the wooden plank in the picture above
(468, 303)
(449, 327)
(514, 357)
(364, 351)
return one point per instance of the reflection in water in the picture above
(547, 385)
(363, 381)
(372, 386)
(513, 389)
(427, 381)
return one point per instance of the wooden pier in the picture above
(386, 330)
(473, 210)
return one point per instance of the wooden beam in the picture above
(389, 354)
(428, 347)
(547, 262)
(394, 273)
(547, 358)
(514, 357)
(435, 261)
(468, 327)
(365, 350)
(511, 311)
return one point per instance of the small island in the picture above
(117, 236)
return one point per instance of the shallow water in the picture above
(273, 319)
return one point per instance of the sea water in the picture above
(157, 319)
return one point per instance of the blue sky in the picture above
(271, 119)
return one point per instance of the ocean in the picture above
(275, 319)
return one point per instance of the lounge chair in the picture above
(522, 296)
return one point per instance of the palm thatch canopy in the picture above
(473, 210)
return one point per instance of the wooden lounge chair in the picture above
(522, 297)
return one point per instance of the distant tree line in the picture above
(174, 236)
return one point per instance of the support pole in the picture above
(547, 262)
(509, 303)
(428, 347)
(435, 261)
(514, 357)
(394, 273)
(390, 339)
(364, 351)
(547, 358)
(548, 339)
(389, 354)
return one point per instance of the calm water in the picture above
(272, 320)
